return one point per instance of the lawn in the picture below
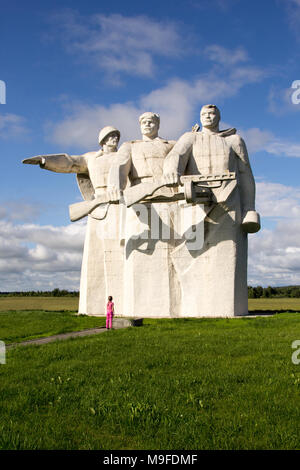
(275, 305)
(38, 303)
(71, 303)
(16, 326)
(171, 384)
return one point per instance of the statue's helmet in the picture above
(105, 133)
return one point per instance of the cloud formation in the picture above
(293, 14)
(40, 257)
(176, 102)
(224, 56)
(274, 255)
(118, 43)
(264, 140)
(12, 125)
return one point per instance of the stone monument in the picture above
(153, 267)
(150, 284)
(213, 280)
(101, 271)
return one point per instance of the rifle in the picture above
(131, 196)
(195, 188)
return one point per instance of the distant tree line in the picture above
(54, 293)
(272, 292)
(253, 292)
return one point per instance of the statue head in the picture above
(149, 123)
(109, 136)
(210, 116)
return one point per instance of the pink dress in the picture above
(109, 314)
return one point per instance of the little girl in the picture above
(109, 312)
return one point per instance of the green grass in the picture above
(38, 303)
(16, 326)
(275, 305)
(171, 384)
(71, 303)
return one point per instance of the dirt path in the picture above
(49, 339)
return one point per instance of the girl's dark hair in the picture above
(110, 298)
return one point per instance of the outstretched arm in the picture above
(60, 163)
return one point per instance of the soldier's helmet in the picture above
(105, 132)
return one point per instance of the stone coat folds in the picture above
(150, 283)
(102, 262)
(213, 280)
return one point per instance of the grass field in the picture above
(71, 303)
(171, 384)
(16, 326)
(38, 303)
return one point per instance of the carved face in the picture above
(111, 141)
(209, 117)
(149, 127)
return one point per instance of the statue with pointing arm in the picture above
(99, 276)
(204, 180)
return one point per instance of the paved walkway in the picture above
(49, 339)
(117, 324)
(73, 334)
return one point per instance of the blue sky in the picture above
(72, 67)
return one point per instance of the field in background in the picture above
(38, 303)
(274, 304)
(71, 303)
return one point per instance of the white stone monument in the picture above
(213, 280)
(102, 263)
(150, 284)
(202, 185)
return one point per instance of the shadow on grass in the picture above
(270, 312)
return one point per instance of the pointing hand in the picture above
(39, 160)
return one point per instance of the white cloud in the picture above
(117, 43)
(277, 200)
(258, 140)
(40, 257)
(284, 148)
(280, 100)
(225, 56)
(83, 123)
(19, 210)
(12, 125)
(293, 15)
(274, 256)
(176, 102)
